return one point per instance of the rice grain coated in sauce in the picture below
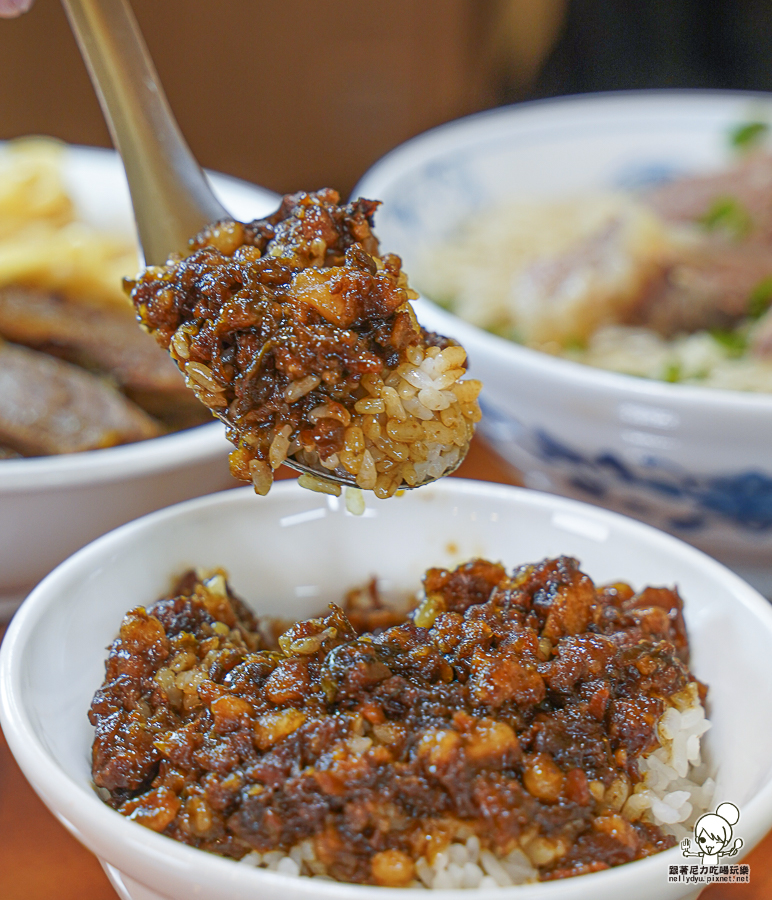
(508, 711)
(301, 334)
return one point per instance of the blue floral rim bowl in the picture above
(691, 460)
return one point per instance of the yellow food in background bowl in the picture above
(43, 244)
(66, 241)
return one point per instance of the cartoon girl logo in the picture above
(712, 835)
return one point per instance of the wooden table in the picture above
(39, 860)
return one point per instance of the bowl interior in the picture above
(294, 552)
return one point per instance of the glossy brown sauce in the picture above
(508, 706)
(285, 326)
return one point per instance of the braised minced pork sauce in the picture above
(298, 332)
(503, 705)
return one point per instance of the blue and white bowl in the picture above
(696, 462)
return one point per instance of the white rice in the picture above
(414, 425)
(674, 792)
(676, 788)
(697, 358)
(560, 276)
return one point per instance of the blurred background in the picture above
(299, 94)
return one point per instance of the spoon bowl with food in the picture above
(294, 330)
(300, 336)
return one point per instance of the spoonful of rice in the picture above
(294, 329)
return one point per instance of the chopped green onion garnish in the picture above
(576, 345)
(729, 215)
(760, 298)
(505, 330)
(733, 342)
(672, 373)
(748, 135)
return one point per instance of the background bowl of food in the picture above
(606, 262)
(97, 426)
(233, 777)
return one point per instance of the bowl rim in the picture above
(113, 837)
(585, 377)
(478, 128)
(467, 127)
(199, 443)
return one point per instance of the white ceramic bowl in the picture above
(693, 461)
(292, 552)
(51, 506)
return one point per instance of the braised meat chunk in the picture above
(512, 715)
(76, 374)
(298, 334)
(48, 406)
(106, 342)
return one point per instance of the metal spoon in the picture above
(170, 194)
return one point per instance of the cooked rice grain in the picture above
(413, 425)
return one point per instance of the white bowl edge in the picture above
(108, 831)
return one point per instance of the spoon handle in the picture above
(170, 194)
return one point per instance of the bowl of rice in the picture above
(631, 663)
(605, 261)
(91, 435)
